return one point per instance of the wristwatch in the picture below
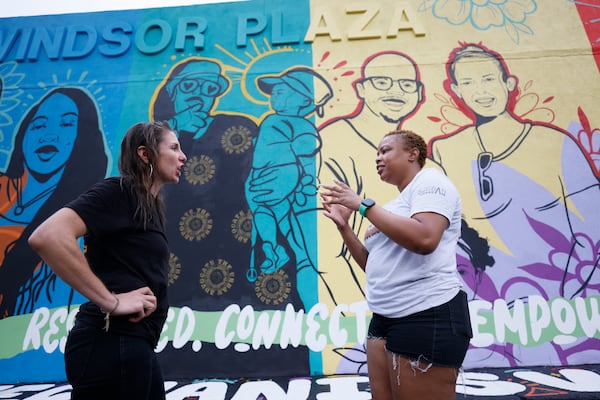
(365, 205)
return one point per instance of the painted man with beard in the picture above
(389, 91)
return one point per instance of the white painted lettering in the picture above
(344, 388)
(480, 339)
(539, 316)
(291, 331)
(505, 320)
(223, 338)
(337, 335)
(314, 340)
(184, 327)
(266, 329)
(33, 334)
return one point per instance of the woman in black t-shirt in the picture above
(110, 350)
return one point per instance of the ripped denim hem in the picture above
(420, 364)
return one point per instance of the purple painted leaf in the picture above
(550, 235)
(545, 271)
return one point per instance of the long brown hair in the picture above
(149, 135)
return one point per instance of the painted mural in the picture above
(515, 383)
(271, 98)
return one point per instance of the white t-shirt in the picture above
(401, 282)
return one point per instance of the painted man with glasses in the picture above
(389, 90)
(527, 188)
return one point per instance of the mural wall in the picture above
(271, 97)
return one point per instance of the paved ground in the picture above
(543, 383)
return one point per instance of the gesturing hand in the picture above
(339, 201)
(340, 193)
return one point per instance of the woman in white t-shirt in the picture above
(420, 329)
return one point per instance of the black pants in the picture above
(101, 365)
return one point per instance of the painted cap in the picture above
(302, 80)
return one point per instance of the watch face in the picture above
(368, 203)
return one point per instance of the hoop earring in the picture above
(151, 170)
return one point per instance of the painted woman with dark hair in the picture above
(58, 153)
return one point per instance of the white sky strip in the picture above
(22, 8)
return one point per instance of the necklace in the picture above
(513, 146)
(20, 208)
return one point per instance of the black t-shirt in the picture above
(123, 254)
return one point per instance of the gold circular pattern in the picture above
(241, 226)
(216, 277)
(195, 224)
(174, 268)
(199, 170)
(273, 288)
(236, 139)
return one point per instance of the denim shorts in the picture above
(439, 335)
(105, 365)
